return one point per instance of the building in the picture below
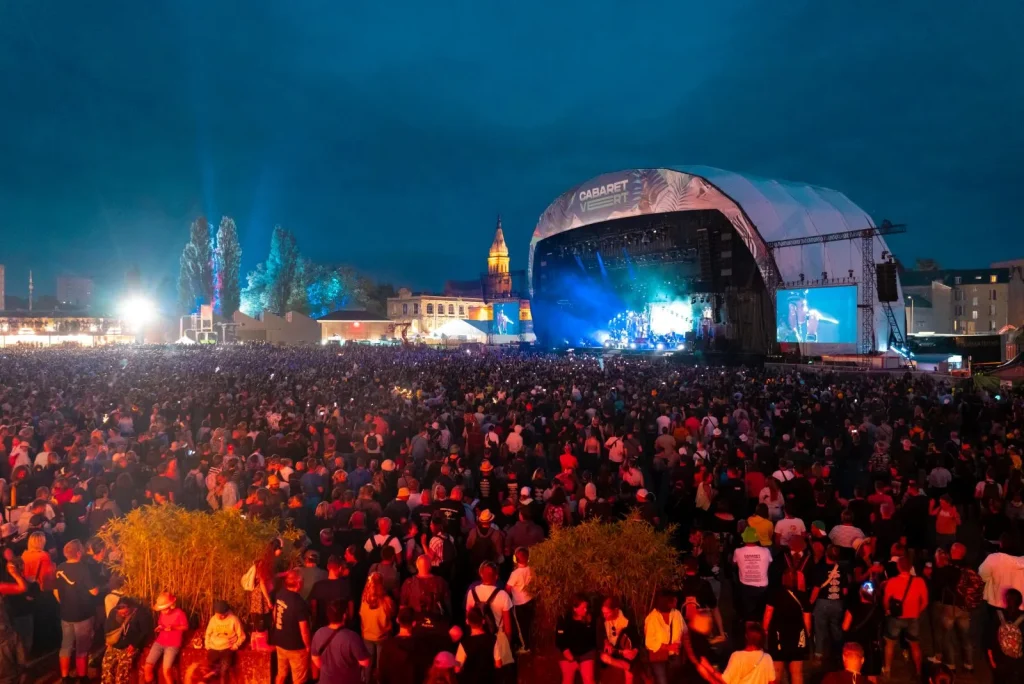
(490, 303)
(355, 326)
(60, 329)
(74, 292)
(291, 328)
(964, 301)
(1015, 310)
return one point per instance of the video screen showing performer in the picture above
(825, 315)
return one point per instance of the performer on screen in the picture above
(802, 322)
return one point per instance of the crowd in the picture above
(825, 523)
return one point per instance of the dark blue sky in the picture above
(388, 135)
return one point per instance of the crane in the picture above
(867, 288)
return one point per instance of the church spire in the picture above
(498, 247)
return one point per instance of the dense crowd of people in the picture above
(826, 520)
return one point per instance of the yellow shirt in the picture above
(764, 528)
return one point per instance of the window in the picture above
(956, 325)
(974, 314)
(430, 309)
(992, 324)
(974, 301)
(957, 280)
(991, 309)
(416, 308)
(992, 279)
(462, 310)
(992, 295)
(405, 309)
(451, 309)
(959, 309)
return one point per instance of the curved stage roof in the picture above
(761, 210)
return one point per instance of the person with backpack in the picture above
(383, 538)
(495, 603)
(1001, 571)
(1006, 651)
(428, 596)
(959, 599)
(441, 548)
(103, 509)
(485, 542)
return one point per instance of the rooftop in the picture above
(362, 316)
(967, 276)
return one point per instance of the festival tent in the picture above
(460, 330)
(186, 340)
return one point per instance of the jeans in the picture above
(957, 622)
(76, 637)
(373, 648)
(828, 625)
(24, 627)
(662, 671)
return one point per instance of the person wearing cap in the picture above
(224, 636)
(752, 562)
(398, 510)
(126, 634)
(339, 654)
(646, 508)
(171, 625)
(485, 542)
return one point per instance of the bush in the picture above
(628, 559)
(199, 557)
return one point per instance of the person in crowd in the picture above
(376, 613)
(828, 586)
(853, 661)
(752, 665)
(76, 590)
(523, 607)
(290, 632)
(904, 600)
(171, 625)
(338, 654)
(752, 562)
(663, 636)
(576, 641)
(787, 622)
(223, 637)
(495, 602)
(620, 645)
(1006, 650)
(400, 656)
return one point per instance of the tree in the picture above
(272, 286)
(330, 288)
(195, 268)
(227, 266)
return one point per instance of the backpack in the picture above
(970, 589)
(484, 549)
(101, 516)
(1009, 636)
(555, 516)
(249, 578)
(192, 496)
(447, 564)
(490, 624)
(374, 556)
(991, 491)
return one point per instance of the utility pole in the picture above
(30, 288)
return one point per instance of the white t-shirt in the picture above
(615, 449)
(787, 528)
(749, 667)
(752, 563)
(501, 603)
(516, 585)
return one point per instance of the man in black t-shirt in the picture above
(453, 511)
(290, 633)
(828, 585)
(76, 591)
(335, 588)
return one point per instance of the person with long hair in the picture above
(376, 613)
(771, 496)
(787, 622)
(576, 640)
(260, 605)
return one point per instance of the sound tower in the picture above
(885, 282)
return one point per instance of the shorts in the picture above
(910, 627)
(295, 661)
(167, 653)
(76, 637)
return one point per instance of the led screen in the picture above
(826, 315)
(506, 318)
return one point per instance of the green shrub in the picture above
(199, 557)
(628, 559)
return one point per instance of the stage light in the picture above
(632, 345)
(137, 311)
(680, 346)
(660, 346)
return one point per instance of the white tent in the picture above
(460, 331)
(186, 340)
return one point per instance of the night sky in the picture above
(389, 135)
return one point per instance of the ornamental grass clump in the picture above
(627, 559)
(199, 557)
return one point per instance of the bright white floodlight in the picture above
(137, 311)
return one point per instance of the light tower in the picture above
(30, 288)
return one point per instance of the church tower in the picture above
(498, 276)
